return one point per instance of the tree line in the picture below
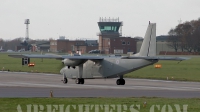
(185, 37)
(11, 44)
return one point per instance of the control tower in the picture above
(109, 28)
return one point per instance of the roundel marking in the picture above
(117, 61)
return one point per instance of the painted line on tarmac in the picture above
(99, 86)
(153, 80)
(150, 80)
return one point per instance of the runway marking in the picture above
(152, 80)
(28, 73)
(99, 86)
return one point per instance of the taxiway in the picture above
(16, 84)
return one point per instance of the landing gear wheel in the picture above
(82, 81)
(65, 81)
(79, 81)
(120, 82)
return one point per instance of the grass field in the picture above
(188, 70)
(11, 104)
(43, 66)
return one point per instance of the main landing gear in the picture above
(65, 80)
(79, 81)
(120, 82)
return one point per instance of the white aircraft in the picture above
(82, 67)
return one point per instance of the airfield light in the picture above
(51, 93)
(145, 104)
(158, 66)
(31, 65)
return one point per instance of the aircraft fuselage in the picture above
(110, 67)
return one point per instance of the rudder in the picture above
(148, 47)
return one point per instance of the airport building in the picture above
(69, 46)
(111, 40)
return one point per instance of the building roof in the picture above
(162, 38)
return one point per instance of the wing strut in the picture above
(80, 71)
(79, 79)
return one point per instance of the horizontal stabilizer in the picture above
(157, 58)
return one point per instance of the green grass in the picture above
(10, 104)
(188, 70)
(45, 66)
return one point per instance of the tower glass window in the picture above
(109, 28)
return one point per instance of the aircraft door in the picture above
(96, 70)
(92, 69)
(87, 70)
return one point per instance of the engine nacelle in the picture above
(73, 62)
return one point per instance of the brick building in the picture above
(69, 46)
(110, 40)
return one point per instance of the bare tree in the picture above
(173, 40)
(12, 44)
(185, 36)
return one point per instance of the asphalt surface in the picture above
(14, 84)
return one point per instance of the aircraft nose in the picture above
(62, 70)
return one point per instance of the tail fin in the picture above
(148, 47)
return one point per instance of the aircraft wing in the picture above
(35, 56)
(156, 58)
(61, 57)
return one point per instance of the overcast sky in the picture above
(78, 18)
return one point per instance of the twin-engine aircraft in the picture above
(82, 67)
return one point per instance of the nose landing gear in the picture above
(65, 80)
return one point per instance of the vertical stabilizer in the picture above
(148, 47)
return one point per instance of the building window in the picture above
(123, 43)
(128, 43)
(53, 43)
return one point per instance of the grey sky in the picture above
(78, 18)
